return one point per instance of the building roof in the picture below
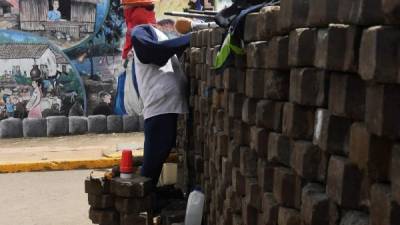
(29, 51)
(5, 3)
(22, 51)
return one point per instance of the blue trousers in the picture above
(160, 138)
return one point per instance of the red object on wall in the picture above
(126, 165)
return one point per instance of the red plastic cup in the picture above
(126, 165)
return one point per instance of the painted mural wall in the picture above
(66, 23)
(36, 79)
(63, 57)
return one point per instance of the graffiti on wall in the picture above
(36, 79)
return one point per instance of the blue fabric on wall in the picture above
(119, 106)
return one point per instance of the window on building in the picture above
(64, 8)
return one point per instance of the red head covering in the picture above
(135, 16)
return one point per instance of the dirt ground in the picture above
(91, 146)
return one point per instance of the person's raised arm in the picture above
(151, 51)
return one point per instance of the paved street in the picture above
(79, 147)
(44, 198)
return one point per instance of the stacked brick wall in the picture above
(304, 128)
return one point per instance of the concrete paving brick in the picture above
(277, 53)
(293, 14)
(78, 125)
(217, 35)
(234, 153)
(231, 79)
(268, 22)
(132, 219)
(315, 205)
(251, 32)
(233, 200)
(309, 86)
(259, 141)
(265, 173)
(11, 128)
(226, 171)
(235, 105)
(383, 211)
(133, 205)
(298, 121)
(288, 216)
(137, 187)
(287, 188)
(305, 160)
(241, 133)
(97, 186)
(255, 83)
(361, 12)
(270, 209)
(130, 123)
(222, 144)
(322, 12)
(57, 125)
(248, 162)
(336, 47)
(347, 96)
(302, 44)
(115, 124)
(104, 216)
(269, 115)
(395, 173)
(354, 218)
(101, 201)
(343, 182)
(34, 127)
(390, 9)
(369, 152)
(238, 182)
(249, 214)
(255, 53)
(382, 110)
(279, 149)
(331, 133)
(276, 85)
(253, 193)
(378, 59)
(97, 124)
(249, 110)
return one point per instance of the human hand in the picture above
(125, 63)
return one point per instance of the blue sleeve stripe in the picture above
(151, 51)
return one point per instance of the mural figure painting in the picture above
(33, 105)
(37, 81)
(64, 22)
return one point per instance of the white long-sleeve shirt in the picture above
(161, 81)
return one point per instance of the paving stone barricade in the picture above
(119, 201)
(74, 125)
(304, 128)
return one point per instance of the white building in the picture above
(21, 57)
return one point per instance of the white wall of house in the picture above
(48, 58)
